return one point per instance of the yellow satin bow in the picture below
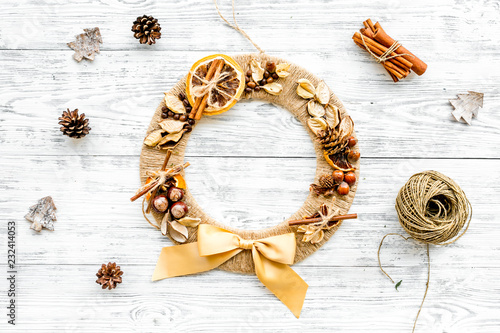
(271, 257)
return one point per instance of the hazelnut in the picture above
(343, 188)
(175, 193)
(251, 84)
(180, 209)
(266, 74)
(275, 76)
(164, 109)
(185, 102)
(183, 117)
(270, 80)
(191, 121)
(177, 116)
(271, 66)
(164, 115)
(248, 90)
(353, 155)
(182, 96)
(352, 141)
(350, 178)
(170, 114)
(160, 203)
(249, 73)
(257, 88)
(338, 176)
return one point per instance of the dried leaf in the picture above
(191, 222)
(398, 284)
(316, 125)
(305, 89)
(164, 223)
(332, 115)
(273, 88)
(43, 214)
(346, 128)
(86, 45)
(174, 103)
(313, 236)
(172, 126)
(257, 70)
(174, 137)
(315, 109)
(153, 138)
(178, 232)
(322, 93)
(282, 69)
(467, 106)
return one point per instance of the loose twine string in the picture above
(236, 27)
(432, 209)
(387, 54)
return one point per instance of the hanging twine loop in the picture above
(432, 209)
(236, 27)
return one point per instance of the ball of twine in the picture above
(433, 209)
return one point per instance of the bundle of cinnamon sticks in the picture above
(395, 58)
(201, 102)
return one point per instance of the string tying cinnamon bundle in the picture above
(395, 58)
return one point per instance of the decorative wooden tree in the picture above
(467, 105)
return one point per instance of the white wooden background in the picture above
(251, 167)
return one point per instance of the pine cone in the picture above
(146, 29)
(326, 181)
(109, 276)
(74, 125)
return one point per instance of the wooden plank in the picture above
(458, 300)
(92, 194)
(415, 121)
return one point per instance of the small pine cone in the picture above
(74, 125)
(146, 29)
(326, 181)
(109, 276)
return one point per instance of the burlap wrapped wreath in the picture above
(151, 159)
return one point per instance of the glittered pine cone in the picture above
(146, 29)
(74, 125)
(109, 276)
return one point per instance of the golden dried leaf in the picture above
(190, 221)
(257, 70)
(153, 138)
(174, 137)
(174, 103)
(315, 109)
(282, 69)
(346, 128)
(273, 88)
(332, 114)
(305, 89)
(316, 125)
(317, 237)
(178, 232)
(164, 223)
(322, 93)
(172, 126)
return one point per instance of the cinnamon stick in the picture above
(319, 219)
(419, 67)
(380, 49)
(387, 64)
(199, 100)
(203, 104)
(141, 193)
(153, 195)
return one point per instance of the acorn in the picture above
(160, 203)
(175, 193)
(179, 210)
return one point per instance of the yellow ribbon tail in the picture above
(185, 259)
(282, 281)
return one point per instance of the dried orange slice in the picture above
(180, 182)
(223, 89)
(338, 162)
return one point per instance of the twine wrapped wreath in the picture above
(151, 159)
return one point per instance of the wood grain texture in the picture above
(251, 167)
